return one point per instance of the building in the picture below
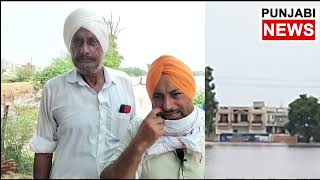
(276, 120)
(250, 123)
(8, 67)
(28, 66)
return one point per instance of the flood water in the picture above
(262, 161)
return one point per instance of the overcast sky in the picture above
(247, 70)
(34, 30)
(222, 34)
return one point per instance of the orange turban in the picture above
(178, 73)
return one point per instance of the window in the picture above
(235, 118)
(257, 118)
(244, 118)
(223, 118)
(269, 129)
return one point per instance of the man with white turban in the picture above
(84, 112)
(169, 143)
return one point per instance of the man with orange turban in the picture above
(169, 142)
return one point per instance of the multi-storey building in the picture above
(253, 123)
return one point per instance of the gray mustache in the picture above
(85, 60)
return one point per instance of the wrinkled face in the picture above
(86, 52)
(174, 103)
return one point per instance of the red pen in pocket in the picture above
(125, 108)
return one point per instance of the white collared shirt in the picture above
(81, 127)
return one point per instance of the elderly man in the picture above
(84, 112)
(169, 142)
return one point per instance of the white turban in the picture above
(89, 20)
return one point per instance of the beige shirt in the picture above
(82, 127)
(166, 165)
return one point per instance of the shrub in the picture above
(8, 78)
(199, 98)
(24, 74)
(59, 66)
(19, 129)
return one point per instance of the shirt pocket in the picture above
(120, 123)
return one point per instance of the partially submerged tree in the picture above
(304, 118)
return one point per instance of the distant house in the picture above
(8, 67)
(29, 66)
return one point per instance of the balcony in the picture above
(257, 120)
(223, 124)
(240, 119)
(257, 123)
(240, 123)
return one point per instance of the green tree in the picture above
(304, 117)
(210, 101)
(113, 58)
(57, 67)
(199, 98)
